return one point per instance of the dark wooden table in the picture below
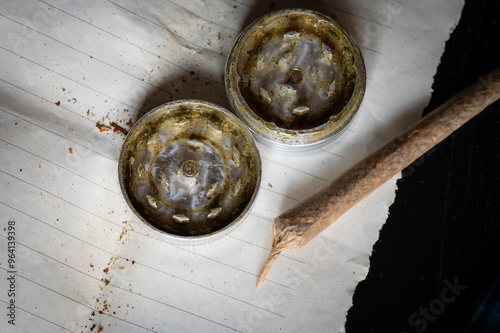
(439, 251)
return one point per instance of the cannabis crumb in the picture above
(118, 128)
(102, 127)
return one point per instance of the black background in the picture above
(445, 222)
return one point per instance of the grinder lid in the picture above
(190, 170)
(295, 77)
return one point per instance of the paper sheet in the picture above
(81, 260)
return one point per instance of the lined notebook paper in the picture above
(79, 259)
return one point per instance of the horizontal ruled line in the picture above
(74, 300)
(295, 169)
(72, 80)
(60, 198)
(88, 55)
(136, 232)
(54, 133)
(136, 262)
(123, 289)
(135, 45)
(215, 23)
(62, 167)
(265, 248)
(353, 14)
(222, 54)
(37, 316)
